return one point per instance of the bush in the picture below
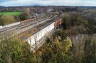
(23, 16)
(15, 51)
(4, 19)
(56, 49)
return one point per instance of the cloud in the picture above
(48, 2)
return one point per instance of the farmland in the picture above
(11, 13)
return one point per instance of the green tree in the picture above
(23, 16)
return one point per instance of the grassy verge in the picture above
(11, 13)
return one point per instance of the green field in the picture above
(11, 13)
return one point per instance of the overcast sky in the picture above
(48, 2)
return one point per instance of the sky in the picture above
(48, 2)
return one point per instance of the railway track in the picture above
(20, 28)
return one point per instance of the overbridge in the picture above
(31, 30)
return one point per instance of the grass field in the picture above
(11, 13)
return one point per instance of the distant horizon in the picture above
(46, 6)
(7, 3)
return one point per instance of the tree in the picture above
(66, 20)
(27, 11)
(90, 51)
(25, 15)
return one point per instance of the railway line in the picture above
(12, 31)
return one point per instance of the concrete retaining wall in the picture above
(34, 39)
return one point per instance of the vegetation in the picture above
(58, 48)
(90, 51)
(55, 50)
(11, 17)
(7, 19)
(15, 51)
(25, 15)
(11, 13)
(78, 23)
(83, 32)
